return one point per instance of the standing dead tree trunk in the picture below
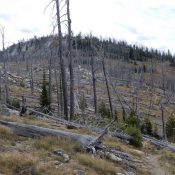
(60, 51)
(94, 83)
(5, 65)
(31, 79)
(23, 107)
(50, 79)
(57, 90)
(163, 120)
(70, 62)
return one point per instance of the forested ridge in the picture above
(112, 48)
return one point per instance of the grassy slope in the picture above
(19, 155)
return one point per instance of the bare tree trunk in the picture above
(50, 79)
(163, 121)
(31, 79)
(5, 66)
(70, 63)
(63, 71)
(6, 82)
(61, 93)
(107, 85)
(94, 84)
(57, 91)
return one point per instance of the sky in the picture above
(143, 22)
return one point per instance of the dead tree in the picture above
(101, 54)
(60, 53)
(5, 65)
(163, 120)
(107, 84)
(50, 79)
(23, 107)
(70, 62)
(31, 79)
(57, 90)
(94, 83)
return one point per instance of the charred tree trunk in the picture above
(163, 121)
(94, 84)
(6, 82)
(6, 95)
(57, 91)
(63, 71)
(70, 63)
(50, 79)
(31, 79)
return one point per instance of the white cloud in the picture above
(146, 22)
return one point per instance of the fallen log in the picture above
(36, 131)
(88, 142)
(69, 124)
(160, 143)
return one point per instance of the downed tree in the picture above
(160, 143)
(121, 136)
(36, 131)
(69, 124)
(89, 143)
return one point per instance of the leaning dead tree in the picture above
(107, 84)
(101, 55)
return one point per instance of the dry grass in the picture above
(111, 142)
(101, 166)
(18, 163)
(167, 160)
(52, 143)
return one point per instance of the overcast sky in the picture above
(144, 22)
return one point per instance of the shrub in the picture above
(44, 97)
(14, 103)
(146, 127)
(22, 84)
(104, 111)
(136, 134)
(144, 68)
(170, 126)
(132, 120)
(155, 132)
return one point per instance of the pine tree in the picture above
(170, 126)
(44, 99)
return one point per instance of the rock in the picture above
(57, 162)
(4, 110)
(13, 112)
(130, 173)
(114, 158)
(79, 172)
(62, 154)
(139, 152)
